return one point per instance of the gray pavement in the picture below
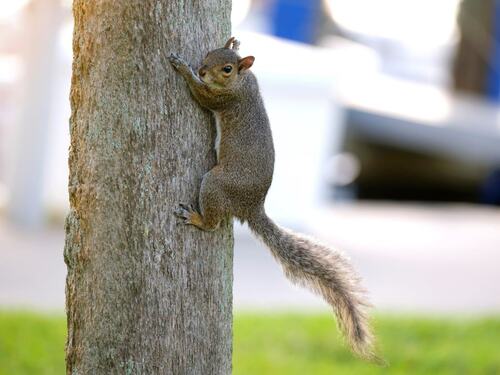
(411, 257)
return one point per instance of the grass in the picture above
(31, 344)
(302, 344)
(290, 344)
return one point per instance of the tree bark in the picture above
(144, 294)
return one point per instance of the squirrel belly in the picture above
(218, 131)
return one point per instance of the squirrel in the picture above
(237, 187)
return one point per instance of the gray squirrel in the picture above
(238, 184)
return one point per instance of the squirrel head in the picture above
(223, 67)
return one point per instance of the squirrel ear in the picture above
(245, 63)
(229, 42)
(232, 43)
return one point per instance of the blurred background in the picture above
(386, 119)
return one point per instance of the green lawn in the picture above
(31, 344)
(301, 344)
(290, 344)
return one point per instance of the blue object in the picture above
(493, 75)
(490, 191)
(296, 19)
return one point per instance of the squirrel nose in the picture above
(202, 71)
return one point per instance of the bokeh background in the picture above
(386, 119)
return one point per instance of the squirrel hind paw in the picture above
(186, 207)
(187, 213)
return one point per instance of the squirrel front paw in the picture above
(176, 61)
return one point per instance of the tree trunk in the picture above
(144, 294)
(470, 67)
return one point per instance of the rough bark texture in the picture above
(145, 295)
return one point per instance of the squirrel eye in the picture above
(227, 68)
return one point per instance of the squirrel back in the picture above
(244, 142)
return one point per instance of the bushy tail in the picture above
(324, 271)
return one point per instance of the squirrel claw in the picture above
(186, 207)
(175, 60)
(185, 212)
